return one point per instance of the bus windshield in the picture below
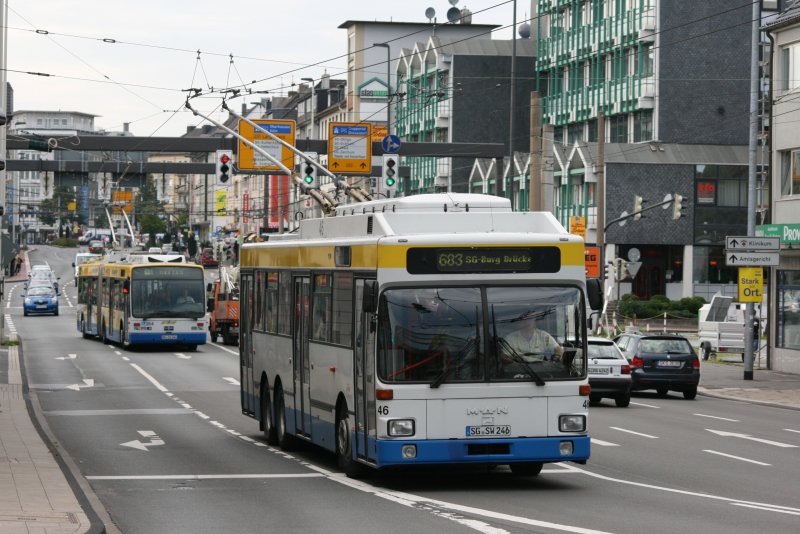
(167, 291)
(473, 334)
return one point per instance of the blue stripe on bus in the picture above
(443, 451)
(194, 338)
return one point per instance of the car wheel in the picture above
(662, 391)
(526, 469)
(623, 399)
(690, 393)
(55, 312)
(25, 313)
(594, 398)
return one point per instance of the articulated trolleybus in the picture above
(397, 333)
(142, 304)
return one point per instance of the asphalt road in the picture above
(160, 437)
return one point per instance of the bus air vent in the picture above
(369, 225)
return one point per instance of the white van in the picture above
(84, 257)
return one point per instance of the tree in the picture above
(149, 210)
(51, 209)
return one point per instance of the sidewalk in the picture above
(724, 378)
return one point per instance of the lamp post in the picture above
(313, 106)
(388, 85)
(511, 165)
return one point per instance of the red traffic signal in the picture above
(224, 159)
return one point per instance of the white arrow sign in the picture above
(68, 357)
(136, 444)
(232, 381)
(87, 383)
(182, 356)
(749, 437)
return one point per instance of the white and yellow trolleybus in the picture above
(381, 335)
(157, 303)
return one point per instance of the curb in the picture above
(80, 487)
(710, 393)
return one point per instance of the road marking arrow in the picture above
(182, 356)
(136, 444)
(751, 438)
(231, 381)
(87, 383)
(68, 357)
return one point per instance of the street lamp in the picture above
(313, 105)
(388, 85)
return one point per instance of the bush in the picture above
(688, 307)
(65, 242)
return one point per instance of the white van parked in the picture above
(84, 257)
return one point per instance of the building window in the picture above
(790, 172)
(787, 327)
(558, 135)
(574, 133)
(591, 126)
(643, 126)
(645, 60)
(709, 266)
(619, 129)
(790, 63)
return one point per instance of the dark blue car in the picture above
(40, 299)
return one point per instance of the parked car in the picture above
(96, 247)
(40, 299)
(609, 372)
(661, 362)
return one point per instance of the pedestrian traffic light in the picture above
(224, 163)
(310, 175)
(389, 176)
(677, 206)
(637, 207)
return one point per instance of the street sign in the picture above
(350, 147)
(591, 256)
(751, 284)
(250, 160)
(633, 268)
(751, 259)
(390, 144)
(577, 225)
(752, 243)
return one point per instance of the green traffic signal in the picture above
(309, 179)
(390, 181)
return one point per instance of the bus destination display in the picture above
(484, 260)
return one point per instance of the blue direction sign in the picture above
(350, 147)
(390, 144)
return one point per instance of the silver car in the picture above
(609, 372)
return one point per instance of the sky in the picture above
(130, 61)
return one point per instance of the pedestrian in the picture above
(17, 264)
(756, 334)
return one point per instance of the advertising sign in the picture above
(751, 284)
(220, 202)
(592, 261)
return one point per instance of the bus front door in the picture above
(363, 375)
(248, 388)
(302, 367)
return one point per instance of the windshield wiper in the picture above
(517, 357)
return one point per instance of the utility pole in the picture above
(601, 183)
(751, 181)
(535, 202)
(3, 100)
(511, 165)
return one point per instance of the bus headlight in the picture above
(401, 427)
(572, 423)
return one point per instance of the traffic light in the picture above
(224, 164)
(677, 206)
(2, 162)
(609, 273)
(389, 176)
(310, 175)
(637, 207)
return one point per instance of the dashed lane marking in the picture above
(735, 457)
(632, 432)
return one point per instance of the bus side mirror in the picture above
(595, 293)
(369, 299)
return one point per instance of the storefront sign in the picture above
(788, 233)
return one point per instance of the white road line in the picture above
(790, 430)
(232, 381)
(125, 358)
(715, 417)
(767, 508)
(645, 405)
(202, 477)
(150, 378)
(632, 432)
(118, 353)
(734, 457)
(182, 356)
(226, 349)
(602, 443)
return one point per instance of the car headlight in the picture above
(572, 423)
(28, 301)
(401, 427)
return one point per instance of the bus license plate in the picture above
(488, 430)
(169, 337)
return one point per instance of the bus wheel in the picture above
(191, 347)
(103, 334)
(267, 418)
(526, 469)
(344, 445)
(284, 439)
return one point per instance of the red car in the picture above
(207, 258)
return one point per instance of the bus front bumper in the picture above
(153, 338)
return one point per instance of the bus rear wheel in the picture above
(267, 418)
(285, 440)
(526, 469)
